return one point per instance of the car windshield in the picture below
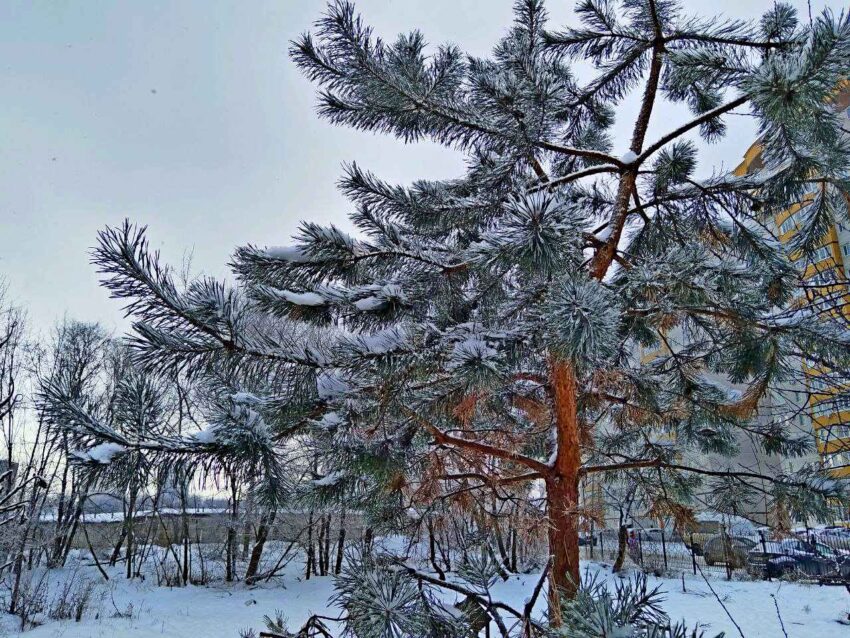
(839, 532)
(825, 550)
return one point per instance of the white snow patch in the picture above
(104, 452)
(331, 385)
(254, 420)
(331, 479)
(786, 318)
(629, 157)
(303, 298)
(245, 397)
(81, 455)
(469, 350)
(207, 435)
(730, 392)
(369, 303)
(377, 295)
(287, 253)
(329, 421)
(223, 610)
(383, 342)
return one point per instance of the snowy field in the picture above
(141, 609)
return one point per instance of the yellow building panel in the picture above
(752, 160)
(782, 216)
(840, 472)
(836, 418)
(835, 445)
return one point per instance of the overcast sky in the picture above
(189, 117)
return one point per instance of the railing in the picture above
(819, 555)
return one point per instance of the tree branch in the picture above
(441, 438)
(705, 117)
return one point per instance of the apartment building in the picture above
(826, 279)
(813, 407)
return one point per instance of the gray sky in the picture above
(188, 116)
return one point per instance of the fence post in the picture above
(724, 541)
(664, 549)
(601, 546)
(640, 547)
(764, 553)
(591, 540)
(693, 555)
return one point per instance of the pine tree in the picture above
(530, 283)
(484, 334)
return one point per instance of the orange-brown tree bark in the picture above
(562, 489)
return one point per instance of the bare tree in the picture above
(12, 328)
(77, 355)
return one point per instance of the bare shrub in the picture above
(73, 599)
(168, 574)
(31, 600)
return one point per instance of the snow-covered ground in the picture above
(141, 609)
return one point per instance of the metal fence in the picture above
(819, 555)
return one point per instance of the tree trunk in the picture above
(130, 533)
(116, 553)
(317, 553)
(622, 546)
(230, 548)
(432, 550)
(60, 513)
(257, 553)
(513, 550)
(72, 532)
(562, 491)
(184, 532)
(447, 561)
(310, 556)
(16, 587)
(340, 543)
(367, 540)
(562, 499)
(500, 543)
(328, 544)
(246, 527)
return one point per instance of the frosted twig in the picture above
(737, 626)
(779, 615)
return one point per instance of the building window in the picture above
(819, 254)
(823, 277)
(788, 224)
(832, 433)
(831, 406)
(837, 459)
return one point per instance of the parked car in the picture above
(795, 556)
(732, 551)
(609, 536)
(836, 536)
(586, 539)
(708, 524)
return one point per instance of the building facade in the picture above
(826, 277)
